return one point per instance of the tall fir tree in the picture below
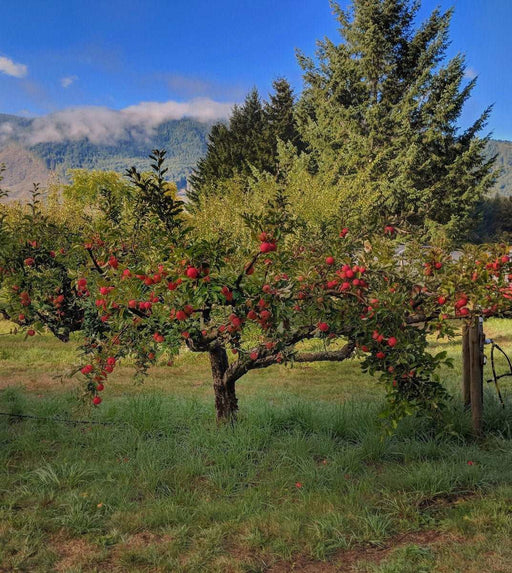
(248, 141)
(379, 117)
(280, 114)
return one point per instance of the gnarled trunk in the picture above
(226, 403)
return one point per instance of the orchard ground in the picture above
(305, 482)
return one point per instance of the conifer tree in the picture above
(280, 112)
(379, 117)
(248, 141)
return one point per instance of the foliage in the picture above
(379, 114)
(248, 143)
(139, 277)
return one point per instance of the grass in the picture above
(305, 482)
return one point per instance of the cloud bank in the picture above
(10, 68)
(102, 125)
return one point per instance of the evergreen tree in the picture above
(231, 148)
(495, 221)
(249, 140)
(280, 112)
(379, 116)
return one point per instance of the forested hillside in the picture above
(184, 140)
(503, 149)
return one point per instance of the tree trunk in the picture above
(226, 403)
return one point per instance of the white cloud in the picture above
(67, 81)
(154, 113)
(470, 73)
(104, 125)
(10, 68)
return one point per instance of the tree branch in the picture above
(326, 356)
(267, 358)
(95, 262)
(243, 273)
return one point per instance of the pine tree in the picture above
(249, 140)
(232, 148)
(280, 112)
(379, 117)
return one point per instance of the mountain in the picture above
(23, 168)
(503, 150)
(185, 140)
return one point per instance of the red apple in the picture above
(112, 261)
(266, 247)
(192, 273)
(462, 301)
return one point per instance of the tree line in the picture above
(377, 122)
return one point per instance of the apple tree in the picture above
(253, 304)
(144, 279)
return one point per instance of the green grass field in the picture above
(305, 482)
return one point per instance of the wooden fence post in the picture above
(466, 366)
(476, 342)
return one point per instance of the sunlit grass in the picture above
(306, 475)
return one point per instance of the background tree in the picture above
(495, 220)
(248, 142)
(379, 115)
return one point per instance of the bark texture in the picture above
(226, 403)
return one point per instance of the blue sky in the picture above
(57, 54)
